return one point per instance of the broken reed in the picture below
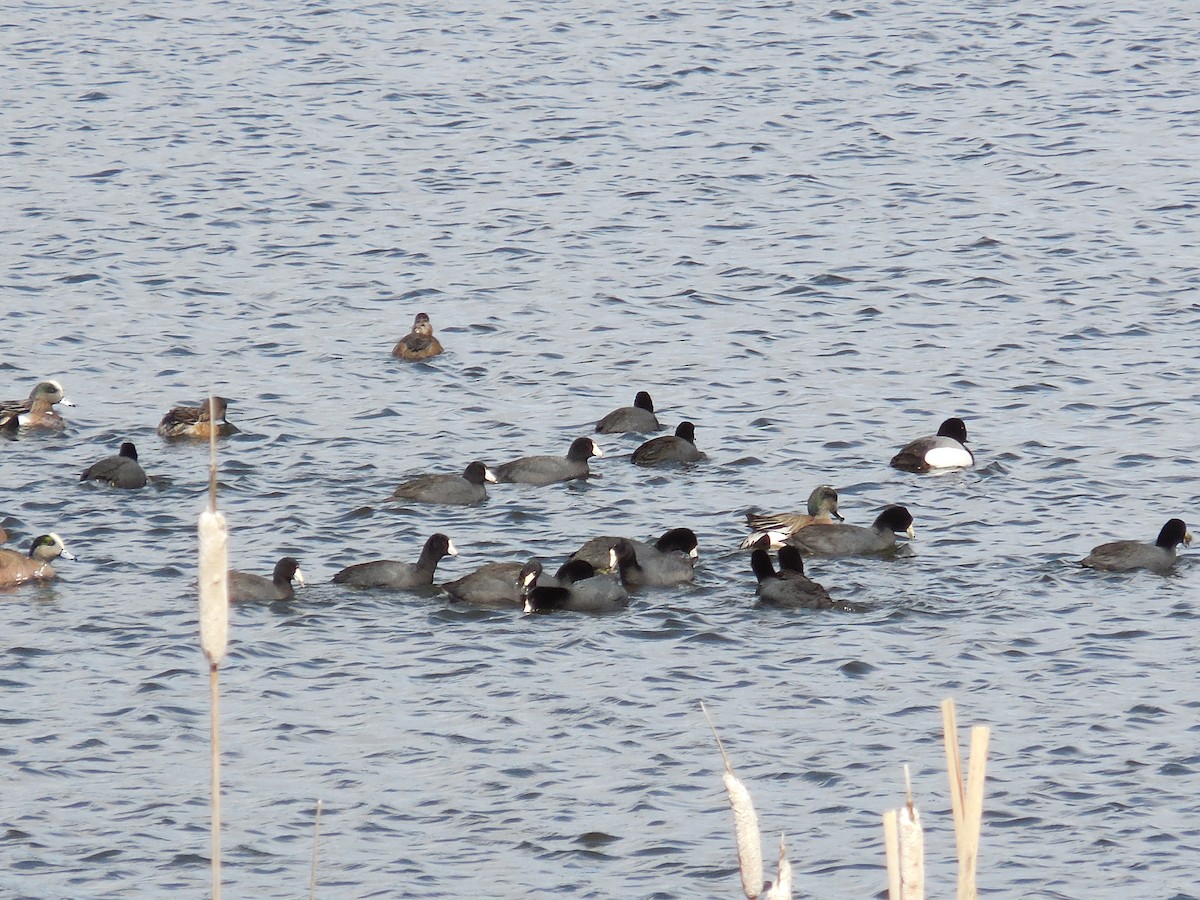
(903, 837)
(904, 840)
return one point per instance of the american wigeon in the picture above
(777, 527)
(17, 568)
(37, 411)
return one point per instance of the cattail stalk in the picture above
(748, 837)
(214, 631)
(745, 822)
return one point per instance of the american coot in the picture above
(17, 568)
(1122, 556)
(791, 587)
(854, 540)
(386, 573)
(419, 343)
(679, 447)
(37, 411)
(797, 590)
(244, 587)
(600, 593)
(494, 584)
(670, 560)
(197, 421)
(498, 583)
(120, 471)
(822, 510)
(944, 450)
(639, 417)
(551, 469)
(456, 490)
(571, 571)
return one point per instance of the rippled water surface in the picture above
(813, 231)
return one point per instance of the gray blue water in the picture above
(813, 231)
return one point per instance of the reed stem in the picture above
(312, 882)
(212, 455)
(891, 847)
(966, 803)
(972, 813)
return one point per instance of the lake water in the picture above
(813, 231)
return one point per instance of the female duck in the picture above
(197, 421)
(419, 343)
(945, 450)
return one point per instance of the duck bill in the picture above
(298, 577)
(65, 402)
(67, 554)
(451, 550)
(489, 475)
(912, 534)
